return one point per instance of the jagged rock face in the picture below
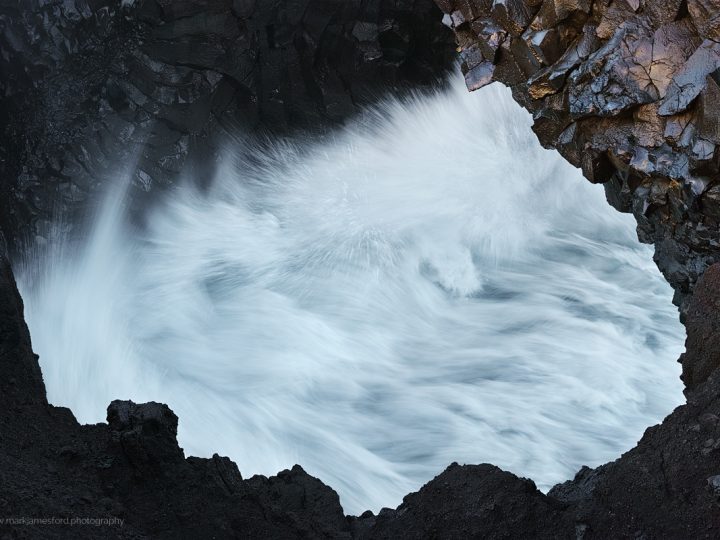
(475, 501)
(702, 355)
(627, 90)
(90, 87)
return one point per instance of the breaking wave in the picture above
(428, 285)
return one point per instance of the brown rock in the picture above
(629, 90)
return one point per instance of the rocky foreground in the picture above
(626, 89)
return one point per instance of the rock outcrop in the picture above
(627, 90)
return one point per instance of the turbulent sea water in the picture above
(427, 286)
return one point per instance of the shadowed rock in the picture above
(703, 329)
(94, 90)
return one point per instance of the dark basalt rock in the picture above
(627, 90)
(702, 356)
(146, 434)
(475, 501)
(156, 84)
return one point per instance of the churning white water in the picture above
(428, 286)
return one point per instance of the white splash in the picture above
(429, 286)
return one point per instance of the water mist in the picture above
(428, 285)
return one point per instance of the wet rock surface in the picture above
(155, 85)
(627, 90)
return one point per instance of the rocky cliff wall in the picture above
(627, 90)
